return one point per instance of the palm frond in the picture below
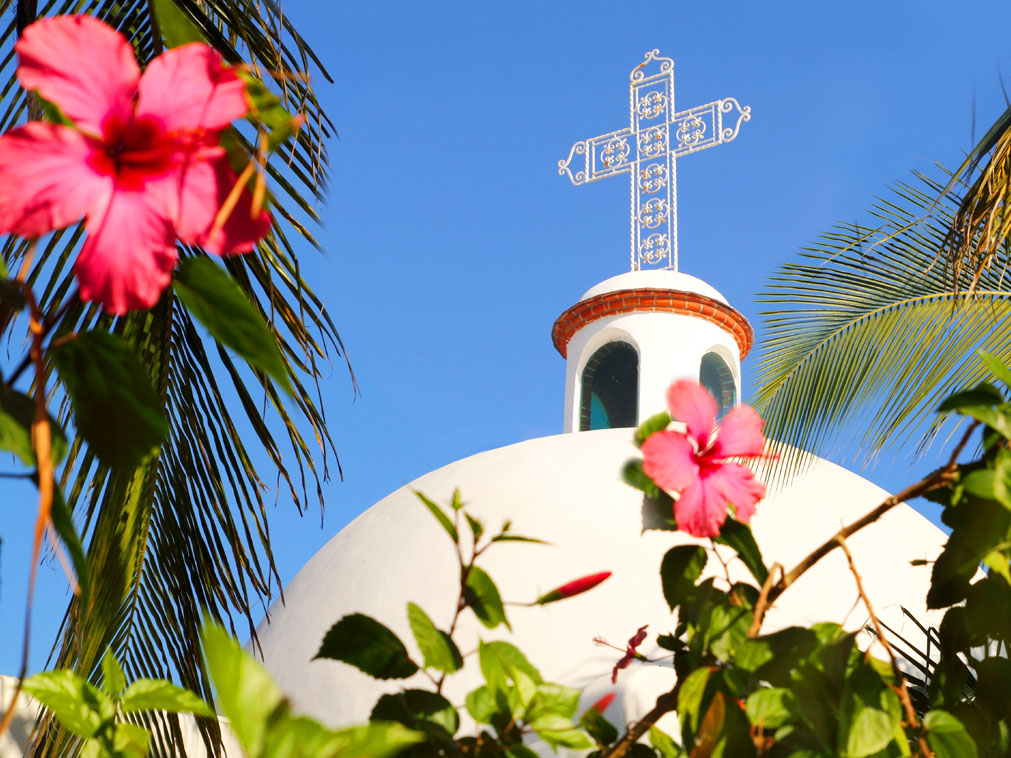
(186, 534)
(866, 332)
(981, 225)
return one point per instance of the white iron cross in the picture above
(647, 149)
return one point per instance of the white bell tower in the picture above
(628, 337)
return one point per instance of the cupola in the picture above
(628, 337)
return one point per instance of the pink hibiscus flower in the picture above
(143, 166)
(695, 462)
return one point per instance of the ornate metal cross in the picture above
(647, 149)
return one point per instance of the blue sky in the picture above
(451, 243)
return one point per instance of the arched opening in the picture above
(715, 375)
(610, 388)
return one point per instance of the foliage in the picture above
(513, 702)
(867, 330)
(177, 533)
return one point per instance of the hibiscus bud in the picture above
(601, 705)
(575, 587)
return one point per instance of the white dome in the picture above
(655, 278)
(567, 490)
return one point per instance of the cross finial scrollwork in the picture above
(659, 136)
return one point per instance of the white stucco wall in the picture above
(566, 489)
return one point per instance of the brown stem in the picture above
(763, 600)
(666, 703)
(41, 435)
(900, 689)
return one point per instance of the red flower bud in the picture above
(601, 705)
(575, 587)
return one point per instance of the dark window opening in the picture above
(610, 388)
(715, 376)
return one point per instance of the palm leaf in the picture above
(187, 534)
(981, 225)
(866, 332)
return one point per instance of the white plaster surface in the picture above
(657, 278)
(566, 489)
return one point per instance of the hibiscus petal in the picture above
(50, 176)
(127, 260)
(737, 485)
(84, 66)
(192, 197)
(740, 434)
(688, 401)
(668, 459)
(701, 509)
(188, 88)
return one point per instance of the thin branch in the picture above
(940, 478)
(763, 600)
(899, 689)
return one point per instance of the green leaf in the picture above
(246, 694)
(996, 367)
(655, 423)
(78, 704)
(870, 714)
(17, 412)
(437, 647)
(998, 419)
(176, 27)
(517, 538)
(64, 526)
(558, 731)
(499, 655)
(481, 595)
(664, 743)
(680, 569)
(947, 737)
(553, 698)
(130, 740)
(1002, 477)
(771, 708)
(633, 475)
(476, 527)
(690, 697)
(998, 562)
(375, 740)
(738, 536)
(11, 294)
(983, 395)
(116, 409)
(368, 645)
(598, 727)
(302, 737)
(440, 516)
(426, 711)
(268, 109)
(213, 297)
(159, 695)
(481, 705)
(113, 678)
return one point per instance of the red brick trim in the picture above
(651, 299)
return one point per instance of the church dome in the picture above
(567, 490)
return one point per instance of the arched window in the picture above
(715, 375)
(610, 388)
